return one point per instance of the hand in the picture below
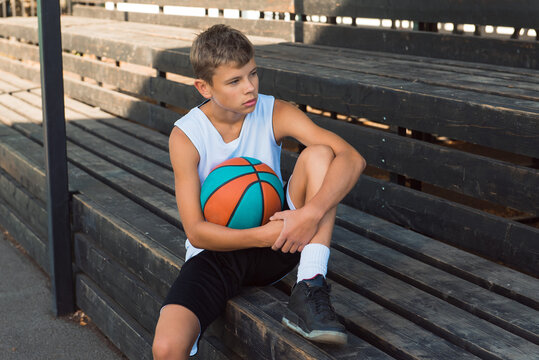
(299, 227)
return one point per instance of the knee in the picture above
(166, 348)
(318, 156)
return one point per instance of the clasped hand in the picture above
(299, 227)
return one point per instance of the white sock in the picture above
(313, 261)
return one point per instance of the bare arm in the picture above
(202, 234)
(340, 178)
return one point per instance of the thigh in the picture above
(268, 266)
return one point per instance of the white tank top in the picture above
(256, 140)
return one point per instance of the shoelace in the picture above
(320, 295)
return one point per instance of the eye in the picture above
(254, 73)
(234, 82)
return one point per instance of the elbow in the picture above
(360, 163)
(193, 236)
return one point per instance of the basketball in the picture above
(241, 193)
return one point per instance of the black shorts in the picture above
(209, 279)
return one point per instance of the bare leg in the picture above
(175, 333)
(307, 178)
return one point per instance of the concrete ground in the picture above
(28, 328)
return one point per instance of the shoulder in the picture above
(181, 147)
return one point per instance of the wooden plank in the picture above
(472, 268)
(505, 313)
(487, 125)
(432, 109)
(30, 209)
(120, 328)
(6, 87)
(387, 331)
(23, 160)
(474, 175)
(523, 13)
(124, 288)
(14, 81)
(283, 344)
(117, 128)
(160, 248)
(470, 229)
(122, 105)
(155, 174)
(138, 190)
(518, 76)
(273, 29)
(32, 244)
(408, 70)
(435, 315)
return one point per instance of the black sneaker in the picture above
(310, 313)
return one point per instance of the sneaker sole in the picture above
(323, 336)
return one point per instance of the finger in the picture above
(279, 215)
(287, 245)
(280, 241)
(294, 248)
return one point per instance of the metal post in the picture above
(54, 135)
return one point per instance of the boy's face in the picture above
(234, 88)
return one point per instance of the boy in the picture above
(237, 121)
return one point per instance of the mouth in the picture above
(250, 103)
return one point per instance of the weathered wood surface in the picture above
(487, 234)
(498, 51)
(467, 228)
(401, 294)
(522, 13)
(494, 112)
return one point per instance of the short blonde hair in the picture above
(218, 45)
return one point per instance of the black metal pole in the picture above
(54, 135)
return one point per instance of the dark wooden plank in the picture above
(406, 69)
(522, 13)
(30, 209)
(519, 76)
(23, 160)
(446, 46)
(112, 320)
(453, 111)
(478, 176)
(364, 99)
(35, 246)
(392, 333)
(505, 313)
(124, 288)
(133, 244)
(434, 314)
(477, 231)
(432, 109)
(472, 268)
(158, 201)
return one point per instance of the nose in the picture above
(249, 86)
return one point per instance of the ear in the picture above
(203, 88)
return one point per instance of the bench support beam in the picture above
(54, 135)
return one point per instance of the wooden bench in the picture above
(452, 149)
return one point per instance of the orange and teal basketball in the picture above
(241, 193)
